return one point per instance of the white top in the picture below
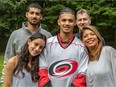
(102, 73)
(24, 82)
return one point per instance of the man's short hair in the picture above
(67, 10)
(81, 11)
(34, 5)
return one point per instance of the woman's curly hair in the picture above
(23, 59)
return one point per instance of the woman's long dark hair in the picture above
(23, 59)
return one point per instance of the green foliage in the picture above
(11, 17)
(1, 66)
(11, 14)
(103, 15)
(51, 16)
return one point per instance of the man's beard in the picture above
(34, 24)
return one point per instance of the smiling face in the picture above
(36, 46)
(82, 20)
(34, 16)
(66, 22)
(89, 38)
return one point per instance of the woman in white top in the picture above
(22, 69)
(101, 71)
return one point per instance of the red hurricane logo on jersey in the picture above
(63, 68)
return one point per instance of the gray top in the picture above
(24, 82)
(102, 73)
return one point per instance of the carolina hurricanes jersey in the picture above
(64, 64)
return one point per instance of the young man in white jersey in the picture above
(64, 60)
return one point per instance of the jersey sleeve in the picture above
(80, 79)
(44, 80)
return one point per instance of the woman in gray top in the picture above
(101, 71)
(22, 69)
